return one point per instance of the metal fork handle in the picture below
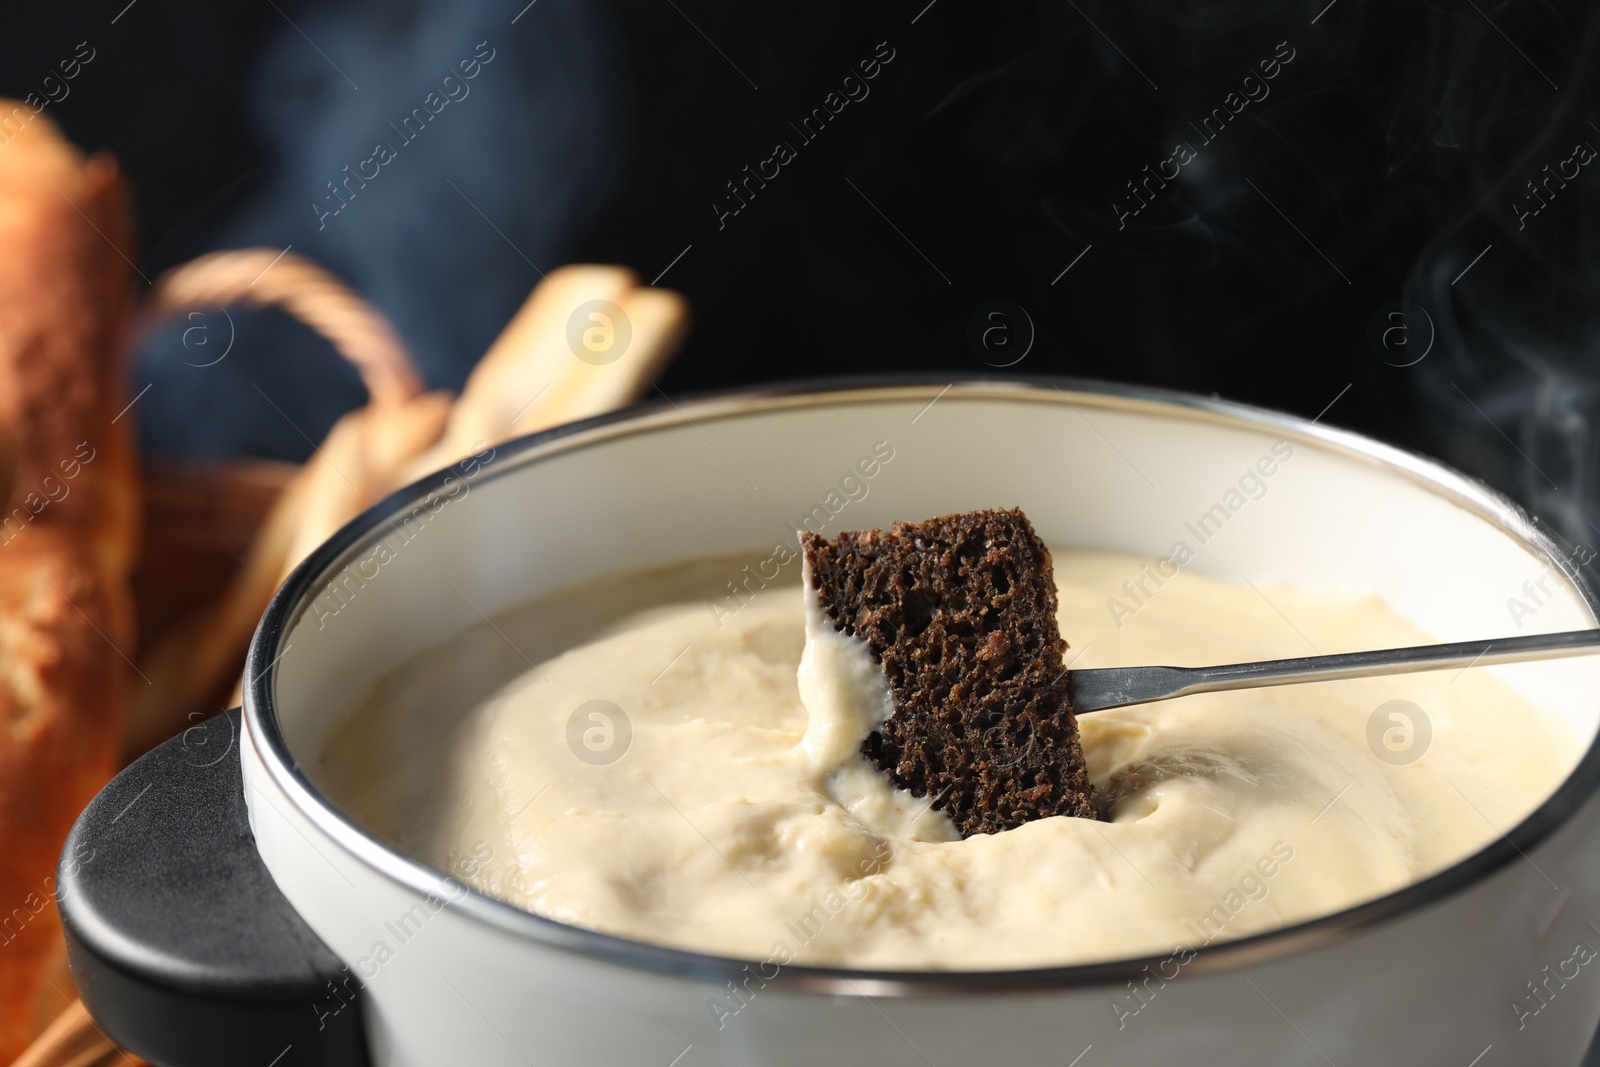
(1103, 688)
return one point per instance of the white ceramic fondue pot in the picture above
(1479, 964)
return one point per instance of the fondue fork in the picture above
(1103, 688)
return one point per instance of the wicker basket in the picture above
(202, 520)
(219, 536)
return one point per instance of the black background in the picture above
(1390, 153)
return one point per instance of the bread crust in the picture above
(65, 225)
(68, 517)
(62, 688)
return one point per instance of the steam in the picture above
(1435, 155)
(1518, 341)
(532, 152)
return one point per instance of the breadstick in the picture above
(524, 361)
(357, 465)
(659, 320)
(378, 449)
(192, 661)
(533, 377)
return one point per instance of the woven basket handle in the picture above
(266, 277)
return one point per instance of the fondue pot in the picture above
(219, 908)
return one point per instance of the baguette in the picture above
(68, 524)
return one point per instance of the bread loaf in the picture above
(67, 533)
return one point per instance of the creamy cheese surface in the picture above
(619, 756)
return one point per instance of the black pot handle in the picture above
(182, 946)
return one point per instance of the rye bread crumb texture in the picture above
(960, 613)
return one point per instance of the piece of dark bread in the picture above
(960, 613)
